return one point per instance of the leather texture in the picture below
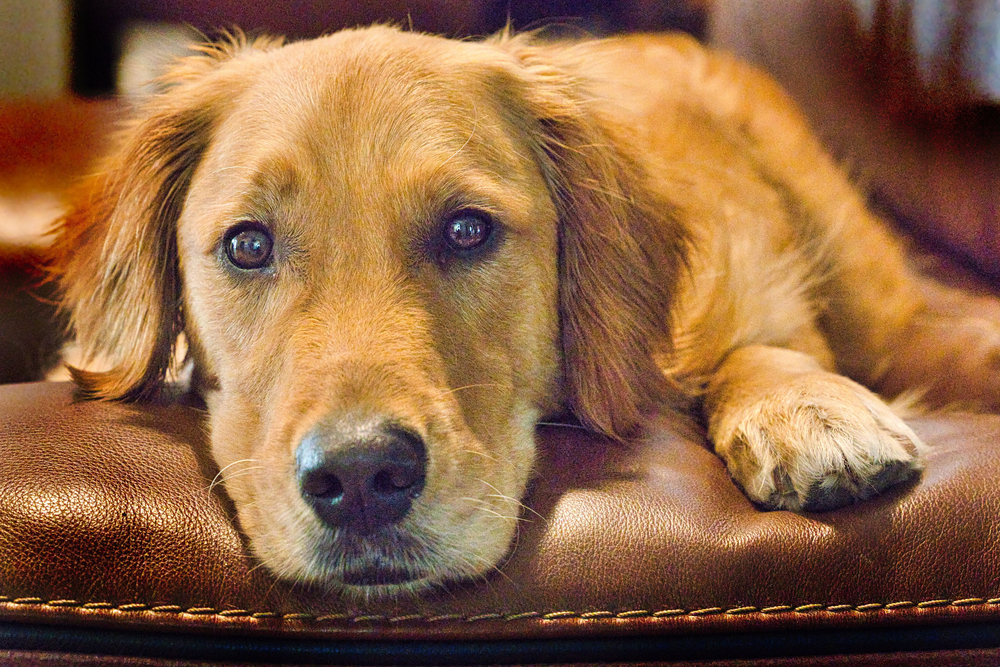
(978, 658)
(109, 521)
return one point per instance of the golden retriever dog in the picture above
(390, 255)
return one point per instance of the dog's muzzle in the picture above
(360, 477)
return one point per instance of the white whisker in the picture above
(482, 385)
(579, 427)
(484, 506)
(514, 502)
(220, 476)
(483, 455)
(472, 133)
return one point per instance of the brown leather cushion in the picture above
(108, 519)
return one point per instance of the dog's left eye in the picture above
(248, 245)
(467, 231)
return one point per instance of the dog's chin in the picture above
(368, 583)
(391, 562)
(388, 559)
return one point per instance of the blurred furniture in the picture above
(45, 146)
(906, 92)
(34, 47)
(99, 25)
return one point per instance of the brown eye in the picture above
(468, 230)
(248, 246)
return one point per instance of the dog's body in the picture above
(392, 254)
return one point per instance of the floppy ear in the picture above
(115, 252)
(621, 246)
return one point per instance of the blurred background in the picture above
(47, 46)
(905, 93)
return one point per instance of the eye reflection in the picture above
(249, 245)
(468, 230)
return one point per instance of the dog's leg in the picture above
(883, 326)
(896, 331)
(798, 437)
(949, 352)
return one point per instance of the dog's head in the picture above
(389, 254)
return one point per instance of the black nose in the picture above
(361, 477)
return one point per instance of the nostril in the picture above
(384, 484)
(399, 480)
(322, 485)
(361, 478)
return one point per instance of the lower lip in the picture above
(379, 577)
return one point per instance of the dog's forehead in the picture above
(358, 100)
(372, 85)
(368, 121)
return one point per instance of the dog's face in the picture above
(370, 282)
(374, 247)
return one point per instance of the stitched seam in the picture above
(320, 619)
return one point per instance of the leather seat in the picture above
(115, 546)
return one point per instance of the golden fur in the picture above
(667, 233)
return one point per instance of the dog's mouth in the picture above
(378, 577)
(387, 560)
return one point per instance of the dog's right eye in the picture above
(248, 246)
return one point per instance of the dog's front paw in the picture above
(816, 443)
